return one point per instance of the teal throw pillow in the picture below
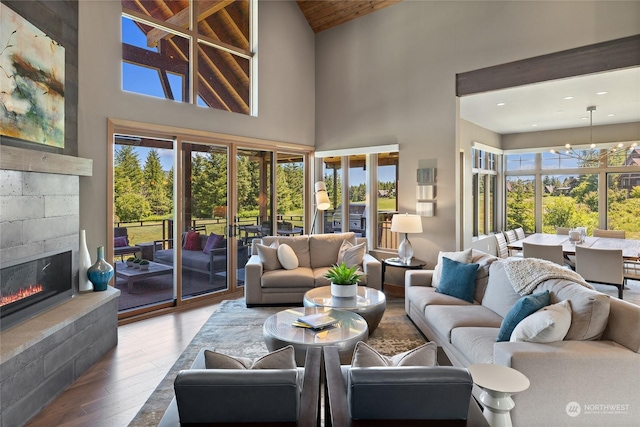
(458, 279)
(522, 308)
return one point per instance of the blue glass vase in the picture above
(101, 272)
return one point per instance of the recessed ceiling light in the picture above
(568, 97)
(501, 104)
(560, 111)
(610, 115)
(534, 125)
(584, 118)
(602, 93)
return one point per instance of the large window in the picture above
(594, 191)
(485, 179)
(370, 187)
(157, 40)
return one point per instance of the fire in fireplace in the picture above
(32, 285)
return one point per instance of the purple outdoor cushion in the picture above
(213, 241)
(120, 241)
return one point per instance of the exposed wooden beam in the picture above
(206, 8)
(147, 58)
(21, 159)
(595, 58)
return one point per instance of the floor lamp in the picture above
(405, 223)
(322, 201)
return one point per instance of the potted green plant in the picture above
(136, 263)
(144, 264)
(344, 280)
(130, 261)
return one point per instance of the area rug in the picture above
(236, 330)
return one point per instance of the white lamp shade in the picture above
(405, 223)
(322, 197)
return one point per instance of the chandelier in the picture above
(593, 154)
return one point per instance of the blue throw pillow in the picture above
(525, 306)
(458, 279)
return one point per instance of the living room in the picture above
(386, 78)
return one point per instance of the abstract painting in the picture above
(31, 82)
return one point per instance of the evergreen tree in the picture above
(154, 185)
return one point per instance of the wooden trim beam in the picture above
(22, 159)
(595, 58)
(146, 58)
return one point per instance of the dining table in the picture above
(630, 247)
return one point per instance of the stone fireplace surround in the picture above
(39, 213)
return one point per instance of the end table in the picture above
(414, 264)
(498, 383)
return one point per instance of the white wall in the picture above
(390, 77)
(286, 95)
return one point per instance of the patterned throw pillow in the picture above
(365, 356)
(283, 358)
(192, 241)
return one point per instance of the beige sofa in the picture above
(316, 253)
(591, 378)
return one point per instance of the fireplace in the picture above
(32, 285)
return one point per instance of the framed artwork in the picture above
(32, 77)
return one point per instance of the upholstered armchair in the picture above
(274, 397)
(398, 396)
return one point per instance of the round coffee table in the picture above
(498, 383)
(369, 303)
(278, 331)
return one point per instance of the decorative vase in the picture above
(344, 291)
(84, 262)
(101, 272)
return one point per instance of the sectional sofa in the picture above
(589, 378)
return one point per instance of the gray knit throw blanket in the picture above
(527, 273)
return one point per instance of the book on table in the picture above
(317, 320)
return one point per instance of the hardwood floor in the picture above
(112, 392)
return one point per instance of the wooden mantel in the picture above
(21, 159)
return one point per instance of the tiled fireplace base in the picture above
(41, 357)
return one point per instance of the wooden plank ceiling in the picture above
(325, 14)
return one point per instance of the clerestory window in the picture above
(194, 51)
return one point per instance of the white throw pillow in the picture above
(287, 257)
(549, 324)
(463, 256)
(351, 254)
(365, 356)
(269, 256)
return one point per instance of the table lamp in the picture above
(322, 201)
(405, 223)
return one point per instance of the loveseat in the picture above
(197, 259)
(265, 285)
(591, 377)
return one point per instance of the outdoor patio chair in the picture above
(121, 246)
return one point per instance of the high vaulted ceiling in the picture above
(325, 14)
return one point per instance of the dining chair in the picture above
(601, 266)
(612, 234)
(569, 260)
(520, 233)
(564, 231)
(501, 243)
(511, 236)
(551, 253)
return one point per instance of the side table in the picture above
(498, 383)
(414, 264)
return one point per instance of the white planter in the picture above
(344, 291)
